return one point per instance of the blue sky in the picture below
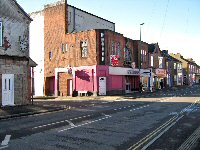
(174, 24)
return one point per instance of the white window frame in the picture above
(84, 48)
(1, 33)
(151, 61)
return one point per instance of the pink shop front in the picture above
(105, 80)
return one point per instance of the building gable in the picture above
(11, 9)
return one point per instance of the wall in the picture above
(15, 37)
(137, 54)
(37, 50)
(79, 20)
(19, 67)
(54, 33)
(14, 52)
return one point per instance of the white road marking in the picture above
(70, 123)
(4, 147)
(89, 122)
(6, 140)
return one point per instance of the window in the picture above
(70, 17)
(127, 56)
(167, 65)
(151, 61)
(84, 48)
(174, 65)
(50, 55)
(1, 34)
(160, 62)
(63, 48)
(113, 48)
(118, 49)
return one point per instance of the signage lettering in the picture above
(132, 72)
(102, 48)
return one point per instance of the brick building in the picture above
(188, 69)
(174, 70)
(158, 64)
(15, 64)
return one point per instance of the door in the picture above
(128, 85)
(69, 87)
(7, 89)
(102, 85)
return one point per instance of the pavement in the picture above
(27, 110)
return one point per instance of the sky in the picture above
(174, 24)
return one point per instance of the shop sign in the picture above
(114, 60)
(133, 72)
(102, 48)
(161, 72)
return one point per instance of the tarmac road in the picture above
(164, 120)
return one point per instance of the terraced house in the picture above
(15, 64)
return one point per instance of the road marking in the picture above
(153, 133)
(157, 137)
(5, 142)
(70, 123)
(89, 122)
(4, 147)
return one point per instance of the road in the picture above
(163, 120)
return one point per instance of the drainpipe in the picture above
(32, 80)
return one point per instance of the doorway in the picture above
(7, 89)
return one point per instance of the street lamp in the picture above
(140, 47)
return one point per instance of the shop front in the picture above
(146, 79)
(127, 79)
(160, 78)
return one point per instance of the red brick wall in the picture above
(54, 33)
(116, 37)
(73, 55)
(144, 46)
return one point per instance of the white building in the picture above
(37, 50)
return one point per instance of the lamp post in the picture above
(140, 47)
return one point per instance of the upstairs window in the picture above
(160, 62)
(113, 48)
(118, 48)
(84, 48)
(174, 65)
(1, 33)
(127, 56)
(151, 61)
(50, 55)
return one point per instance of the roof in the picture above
(151, 48)
(22, 10)
(165, 53)
(91, 14)
(32, 63)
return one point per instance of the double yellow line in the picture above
(152, 134)
(159, 129)
(189, 143)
